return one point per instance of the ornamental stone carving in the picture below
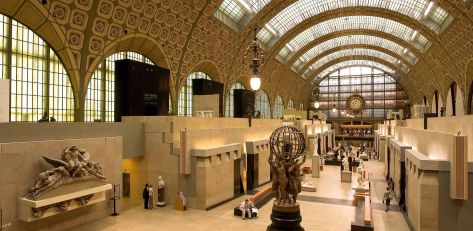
(150, 10)
(79, 19)
(100, 26)
(119, 15)
(60, 12)
(105, 9)
(133, 19)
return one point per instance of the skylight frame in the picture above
(366, 63)
(373, 23)
(355, 40)
(237, 13)
(357, 52)
(301, 10)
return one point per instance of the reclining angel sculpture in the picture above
(74, 165)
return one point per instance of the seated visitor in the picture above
(245, 208)
(253, 209)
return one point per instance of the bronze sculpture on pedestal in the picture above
(287, 145)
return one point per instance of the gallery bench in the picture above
(259, 199)
(363, 218)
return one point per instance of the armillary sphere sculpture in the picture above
(287, 154)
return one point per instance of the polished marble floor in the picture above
(327, 209)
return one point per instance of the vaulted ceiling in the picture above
(424, 44)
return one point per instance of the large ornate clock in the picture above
(355, 104)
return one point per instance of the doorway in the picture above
(389, 164)
(402, 185)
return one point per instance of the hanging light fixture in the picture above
(256, 61)
(334, 109)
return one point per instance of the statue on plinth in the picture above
(361, 178)
(345, 164)
(287, 146)
(161, 185)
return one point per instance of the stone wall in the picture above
(21, 162)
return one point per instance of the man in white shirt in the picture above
(245, 208)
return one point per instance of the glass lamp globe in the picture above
(255, 83)
(316, 104)
(334, 110)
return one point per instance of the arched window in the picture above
(100, 98)
(436, 98)
(278, 106)
(470, 100)
(379, 89)
(301, 107)
(290, 104)
(262, 105)
(38, 79)
(451, 97)
(184, 105)
(229, 108)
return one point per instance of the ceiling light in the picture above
(405, 50)
(429, 7)
(255, 83)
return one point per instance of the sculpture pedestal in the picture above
(285, 218)
(316, 166)
(161, 202)
(346, 176)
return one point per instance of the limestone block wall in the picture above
(214, 179)
(21, 162)
(454, 215)
(422, 197)
(423, 141)
(415, 123)
(264, 171)
(206, 103)
(454, 124)
(162, 145)
(382, 148)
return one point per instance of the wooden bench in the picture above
(363, 218)
(259, 199)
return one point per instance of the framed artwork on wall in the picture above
(126, 184)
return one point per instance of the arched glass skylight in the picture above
(364, 63)
(425, 12)
(237, 13)
(353, 40)
(354, 22)
(355, 52)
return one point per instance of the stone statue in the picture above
(74, 165)
(161, 185)
(361, 178)
(48, 180)
(345, 164)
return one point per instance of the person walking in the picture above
(388, 196)
(151, 194)
(146, 196)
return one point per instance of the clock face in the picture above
(356, 104)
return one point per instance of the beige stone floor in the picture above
(315, 216)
